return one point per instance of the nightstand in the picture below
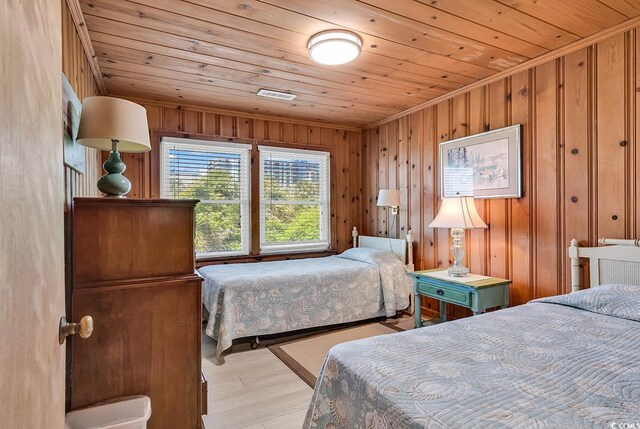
(474, 292)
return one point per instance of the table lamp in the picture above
(457, 213)
(108, 123)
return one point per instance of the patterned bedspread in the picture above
(566, 362)
(272, 297)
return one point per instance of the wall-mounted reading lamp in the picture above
(389, 198)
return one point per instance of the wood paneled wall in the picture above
(580, 166)
(76, 68)
(345, 146)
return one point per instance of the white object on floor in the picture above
(466, 279)
(131, 412)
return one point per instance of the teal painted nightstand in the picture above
(476, 295)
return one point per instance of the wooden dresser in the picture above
(133, 272)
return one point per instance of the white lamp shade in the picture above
(106, 118)
(389, 198)
(334, 47)
(458, 212)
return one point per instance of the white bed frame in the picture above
(618, 261)
(403, 248)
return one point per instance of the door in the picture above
(31, 215)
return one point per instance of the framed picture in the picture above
(486, 165)
(71, 108)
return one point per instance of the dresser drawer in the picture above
(444, 294)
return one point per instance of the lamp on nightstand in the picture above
(457, 213)
(108, 123)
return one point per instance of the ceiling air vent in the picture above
(275, 94)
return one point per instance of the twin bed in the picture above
(565, 361)
(251, 300)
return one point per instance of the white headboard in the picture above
(618, 262)
(398, 246)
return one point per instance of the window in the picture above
(217, 174)
(294, 200)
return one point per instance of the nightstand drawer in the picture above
(444, 294)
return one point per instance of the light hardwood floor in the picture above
(253, 389)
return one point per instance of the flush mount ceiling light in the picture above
(334, 47)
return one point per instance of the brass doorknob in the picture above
(84, 328)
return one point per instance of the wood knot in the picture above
(574, 151)
(623, 143)
(574, 199)
(614, 217)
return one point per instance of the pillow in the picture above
(622, 301)
(370, 256)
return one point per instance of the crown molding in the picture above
(87, 47)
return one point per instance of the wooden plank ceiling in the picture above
(219, 53)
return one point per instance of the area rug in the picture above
(305, 356)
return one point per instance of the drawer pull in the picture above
(440, 292)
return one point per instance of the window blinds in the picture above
(217, 174)
(294, 200)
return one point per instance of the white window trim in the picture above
(325, 206)
(245, 203)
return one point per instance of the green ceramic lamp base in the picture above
(114, 184)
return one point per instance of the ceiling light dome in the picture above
(334, 47)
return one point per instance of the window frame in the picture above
(324, 243)
(244, 150)
(153, 161)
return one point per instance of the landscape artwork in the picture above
(485, 165)
(71, 108)
(488, 162)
